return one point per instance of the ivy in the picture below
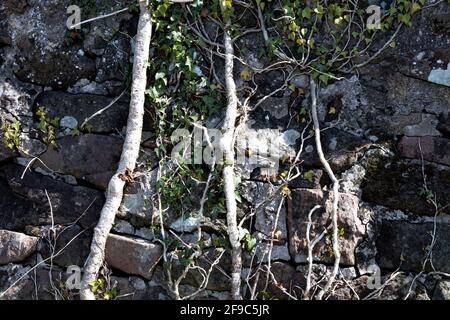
(47, 126)
(11, 134)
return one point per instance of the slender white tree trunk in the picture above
(226, 143)
(334, 214)
(129, 155)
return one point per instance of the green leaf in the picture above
(415, 7)
(238, 197)
(309, 175)
(324, 78)
(306, 13)
(249, 242)
(161, 76)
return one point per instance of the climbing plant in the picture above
(192, 77)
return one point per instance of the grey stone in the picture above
(433, 149)
(268, 82)
(122, 226)
(287, 278)
(218, 280)
(139, 199)
(135, 288)
(405, 181)
(290, 137)
(301, 81)
(444, 124)
(408, 95)
(401, 240)
(102, 31)
(145, 233)
(277, 107)
(131, 255)
(72, 243)
(265, 198)
(8, 275)
(115, 55)
(16, 211)
(401, 287)
(278, 253)
(351, 179)
(5, 153)
(106, 88)
(186, 224)
(341, 149)
(440, 76)
(89, 157)
(68, 122)
(79, 107)
(309, 179)
(266, 147)
(427, 127)
(186, 290)
(15, 247)
(69, 203)
(37, 285)
(40, 43)
(31, 147)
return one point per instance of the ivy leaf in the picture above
(332, 110)
(161, 76)
(306, 13)
(309, 175)
(246, 74)
(249, 242)
(237, 197)
(415, 7)
(292, 87)
(324, 78)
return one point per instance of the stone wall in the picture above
(387, 139)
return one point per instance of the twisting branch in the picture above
(326, 165)
(129, 155)
(311, 245)
(226, 143)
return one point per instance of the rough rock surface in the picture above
(266, 200)
(131, 255)
(429, 148)
(385, 132)
(83, 106)
(405, 186)
(300, 205)
(70, 246)
(89, 157)
(399, 241)
(442, 291)
(69, 203)
(15, 247)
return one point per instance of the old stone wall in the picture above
(387, 138)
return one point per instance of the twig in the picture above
(102, 110)
(98, 18)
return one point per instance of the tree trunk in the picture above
(129, 155)
(227, 146)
